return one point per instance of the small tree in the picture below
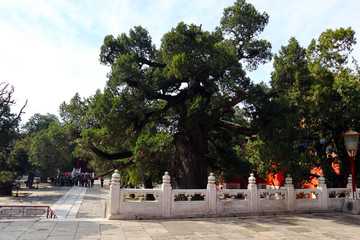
(8, 133)
(51, 150)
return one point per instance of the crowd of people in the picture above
(69, 180)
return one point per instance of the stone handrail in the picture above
(338, 192)
(129, 194)
(129, 203)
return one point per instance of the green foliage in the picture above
(9, 123)
(313, 100)
(291, 71)
(169, 103)
(228, 157)
(50, 150)
(242, 23)
(6, 178)
(281, 157)
(39, 122)
(153, 152)
(18, 160)
(332, 49)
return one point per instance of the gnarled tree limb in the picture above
(236, 128)
(119, 167)
(6, 101)
(107, 156)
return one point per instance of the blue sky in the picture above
(49, 50)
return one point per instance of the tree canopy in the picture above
(9, 123)
(186, 91)
(50, 150)
(43, 148)
(312, 102)
(38, 122)
(186, 106)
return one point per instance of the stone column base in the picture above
(352, 206)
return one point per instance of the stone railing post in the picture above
(290, 200)
(211, 187)
(324, 196)
(114, 200)
(351, 205)
(349, 186)
(166, 188)
(254, 196)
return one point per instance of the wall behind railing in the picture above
(129, 203)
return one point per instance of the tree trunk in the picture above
(6, 189)
(30, 180)
(43, 179)
(188, 169)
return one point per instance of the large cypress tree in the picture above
(188, 88)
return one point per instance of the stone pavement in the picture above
(68, 205)
(81, 212)
(310, 226)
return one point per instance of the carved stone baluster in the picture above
(166, 198)
(321, 179)
(324, 195)
(288, 181)
(254, 197)
(212, 196)
(349, 186)
(189, 197)
(115, 198)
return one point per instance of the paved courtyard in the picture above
(81, 216)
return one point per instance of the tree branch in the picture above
(176, 100)
(5, 98)
(13, 122)
(164, 97)
(236, 128)
(119, 167)
(5, 102)
(151, 63)
(108, 156)
(240, 97)
(215, 117)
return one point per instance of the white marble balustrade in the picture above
(129, 203)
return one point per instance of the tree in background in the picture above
(18, 160)
(44, 148)
(9, 123)
(185, 91)
(33, 127)
(50, 150)
(314, 98)
(38, 122)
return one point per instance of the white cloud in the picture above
(49, 49)
(304, 20)
(45, 61)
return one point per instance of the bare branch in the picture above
(6, 101)
(17, 118)
(5, 98)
